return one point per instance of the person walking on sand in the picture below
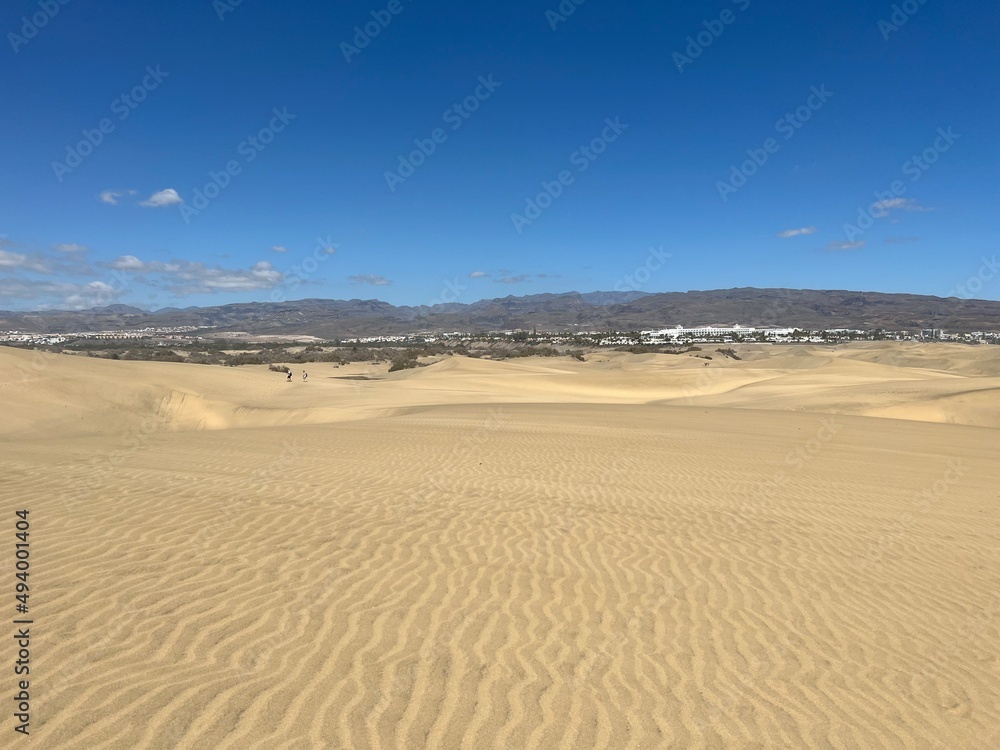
(289, 378)
(305, 376)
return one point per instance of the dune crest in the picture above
(940, 383)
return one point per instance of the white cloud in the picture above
(127, 263)
(184, 277)
(478, 274)
(111, 196)
(796, 232)
(168, 197)
(178, 277)
(834, 247)
(70, 248)
(370, 279)
(882, 208)
(94, 293)
(891, 203)
(279, 249)
(20, 261)
(51, 294)
(197, 278)
(512, 279)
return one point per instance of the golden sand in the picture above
(800, 549)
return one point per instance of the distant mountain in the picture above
(612, 298)
(109, 310)
(594, 311)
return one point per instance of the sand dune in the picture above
(58, 395)
(795, 550)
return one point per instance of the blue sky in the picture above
(447, 152)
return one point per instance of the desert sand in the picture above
(800, 549)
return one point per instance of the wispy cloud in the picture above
(788, 233)
(279, 248)
(369, 280)
(519, 279)
(128, 263)
(111, 196)
(60, 258)
(478, 275)
(882, 208)
(168, 197)
(900, 240)
(60, 295)
(184, 277)
(197, 278)
(835, 247)
(12, 261)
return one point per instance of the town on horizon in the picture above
(721, 334)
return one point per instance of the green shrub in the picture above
(403, 363)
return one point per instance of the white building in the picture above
(714, 332)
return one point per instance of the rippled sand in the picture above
(800, 549)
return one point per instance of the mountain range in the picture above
(569, 312)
